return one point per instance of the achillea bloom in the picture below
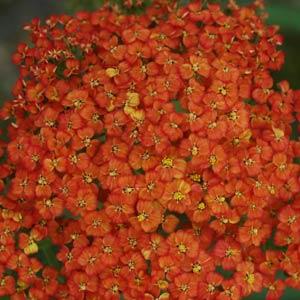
(149, 157)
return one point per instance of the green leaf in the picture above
(294, 135)
(59, 72)
(122, 297)
(270, 244)
(257, 296)
(291, 294)
(61, 279)
(296, 160)
(138, 171)
(47, 253)
(102, 136)
(149, 268)
(250, 102)
(68, 215)
(77, 52)
(177, 106)
(280, 275)
(100, 205)
(225, 273)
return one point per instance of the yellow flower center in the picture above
(196, 268)
(250, 278)
(178, 196)
(201, 206)
(194, 150)
(167, 162)
(82, 286)
(182, 248)
(112, 72)
(142, 217)
(195, 177)
(222, 90)
(184, 288)
(213, 160)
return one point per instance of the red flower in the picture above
(184, 287)
(96, 223)
(171, 166)
(90, 260)
(254, 232)
(248, 279)
(208, 289)
(141, 158)
(229, 252)
(80, 283)
(85, 201)
(182, 245)
(176, 196)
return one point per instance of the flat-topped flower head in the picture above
(148, 156)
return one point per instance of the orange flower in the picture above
(217, 199)
(50, 207)
(96, 223)
(171, 167)
(76, 99)
(208, 289)
(118, 208)
(176, 196)
(198, 65)
(80, 283)
(149, 215)
(136, 32)
(114, 148)
(254, 232)
(154, 152)
(85, 201)
(111, 172)
(141, 158)
(155, 247)
(170, 222)
(150, 187)
(247, 278)
(171, 126)
(289, 216)
(229, 252)
(194, 147)
(90, 260)
(231, 291)
(184, 287)
(283, 169)
(182, 245)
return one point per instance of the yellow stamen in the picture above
(112, 72)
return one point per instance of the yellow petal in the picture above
(138, 115)
(32, 248)
(278, 132)
(111, 106)
(112, 72)
(22, 285)
(133, 99)
(128, 110)
(163, 284)
(17, 217)
(164, 296)
(146, 253)
(246, 135)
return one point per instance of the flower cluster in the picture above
(151, 157)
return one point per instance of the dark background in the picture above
(15, 13)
